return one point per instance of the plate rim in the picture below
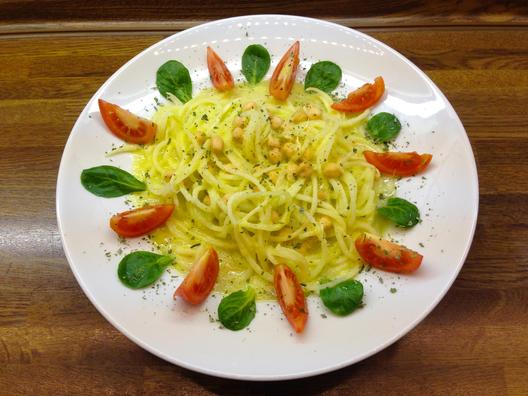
(301, 374)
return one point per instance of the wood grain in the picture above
(60, 15)
(53, 341)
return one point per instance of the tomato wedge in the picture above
(398, 164)
(220, 76)
(201, 279)
(141, 221)
(126, 125)
(362, 98)
(386, 255)
(283, 77)
(291, 297)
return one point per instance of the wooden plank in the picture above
(24, 16)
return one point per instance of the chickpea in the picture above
(276, 122)
(307, 245)
(273, 175)
(275, 217)
(274, 155)
(217, 144)
(285, 232)
(312, 112)
(293, 168)
(240, 121)
(308, 154)
(332, 170)
(326, 222)
(273, 142)
(305, 169)
(200, 137)
(238, 134)
(289, 149)
(322, 195)
(299, 116)
(249, 106)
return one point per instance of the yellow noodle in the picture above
(257, 213)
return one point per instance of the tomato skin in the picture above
(126, 125)
(201, 278)
(283, 77)
(362, 98)
(386, 255)
(220, 75)
(140, 221)
(398, 164)
(291, 297)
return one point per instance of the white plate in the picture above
(447, 198)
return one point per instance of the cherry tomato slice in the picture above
(220, 76)
(126, 125)
(398, 164)
(201, 278)
(283, 77)
(386, 255)
(362, 98)
(141, 221)
(291, 297)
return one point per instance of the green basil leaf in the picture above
(173, 78)
(140, 269)
(238, 309)
(108, 181)
(402, 212)
(324, 75)
(383, 127)
(255, 63)
(344, 297)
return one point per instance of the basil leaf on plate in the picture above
(343, 298)
(324, 75)
(255, 63)
(383, 127)
(400, 211)
(108, 181)
(140, 269)
(173, 78)
(238, 309)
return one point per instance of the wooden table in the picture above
(55, 54)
